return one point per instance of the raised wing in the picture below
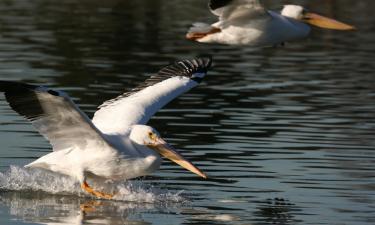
(53, 114)
(138, 105)
(237, 10)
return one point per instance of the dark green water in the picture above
(287, 134)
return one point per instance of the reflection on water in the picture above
(54, 209)
(286, 134)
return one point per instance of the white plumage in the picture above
(116, 144)
(116, 117)
(246, 22)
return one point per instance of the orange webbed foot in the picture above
(98, 194)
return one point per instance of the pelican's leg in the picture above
(89, 206)
(197, 35)
(99, 194)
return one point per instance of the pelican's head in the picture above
(149, 137)
(299, 13)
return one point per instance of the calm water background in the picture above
(286, 134)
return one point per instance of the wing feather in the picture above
(138, 105)
(53, 114)
(232, 11)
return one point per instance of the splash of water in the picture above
(26, 180)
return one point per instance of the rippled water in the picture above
(286, 134)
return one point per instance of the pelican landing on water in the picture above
(246, 22)
(116, 144)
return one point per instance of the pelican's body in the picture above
(274, 31)
(123, 159)
(246, 22)
(116, 144)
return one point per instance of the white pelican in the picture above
(246, 22)
(116, 144)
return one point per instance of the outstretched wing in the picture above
(138, 105)
(53, 114)
(237, 10)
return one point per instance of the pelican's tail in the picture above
(51, 161)
(201, 30)
(39, 163)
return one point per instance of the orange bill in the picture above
(325, 22)
(167, 151)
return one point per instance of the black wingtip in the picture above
(215, 4)
(195, 68)
(20, 97)
(206, 61)
(197, 65)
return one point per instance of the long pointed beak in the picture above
(325, 22)
(164, 149)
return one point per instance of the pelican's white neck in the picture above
(293, 11)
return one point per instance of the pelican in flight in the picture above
(246, 22)
(116, 143)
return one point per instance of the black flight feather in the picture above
(215, 4)
(23, 98)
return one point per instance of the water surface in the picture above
(286, 134)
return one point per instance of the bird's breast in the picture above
(128, 168)
(127, 161)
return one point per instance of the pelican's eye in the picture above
(151, 135)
